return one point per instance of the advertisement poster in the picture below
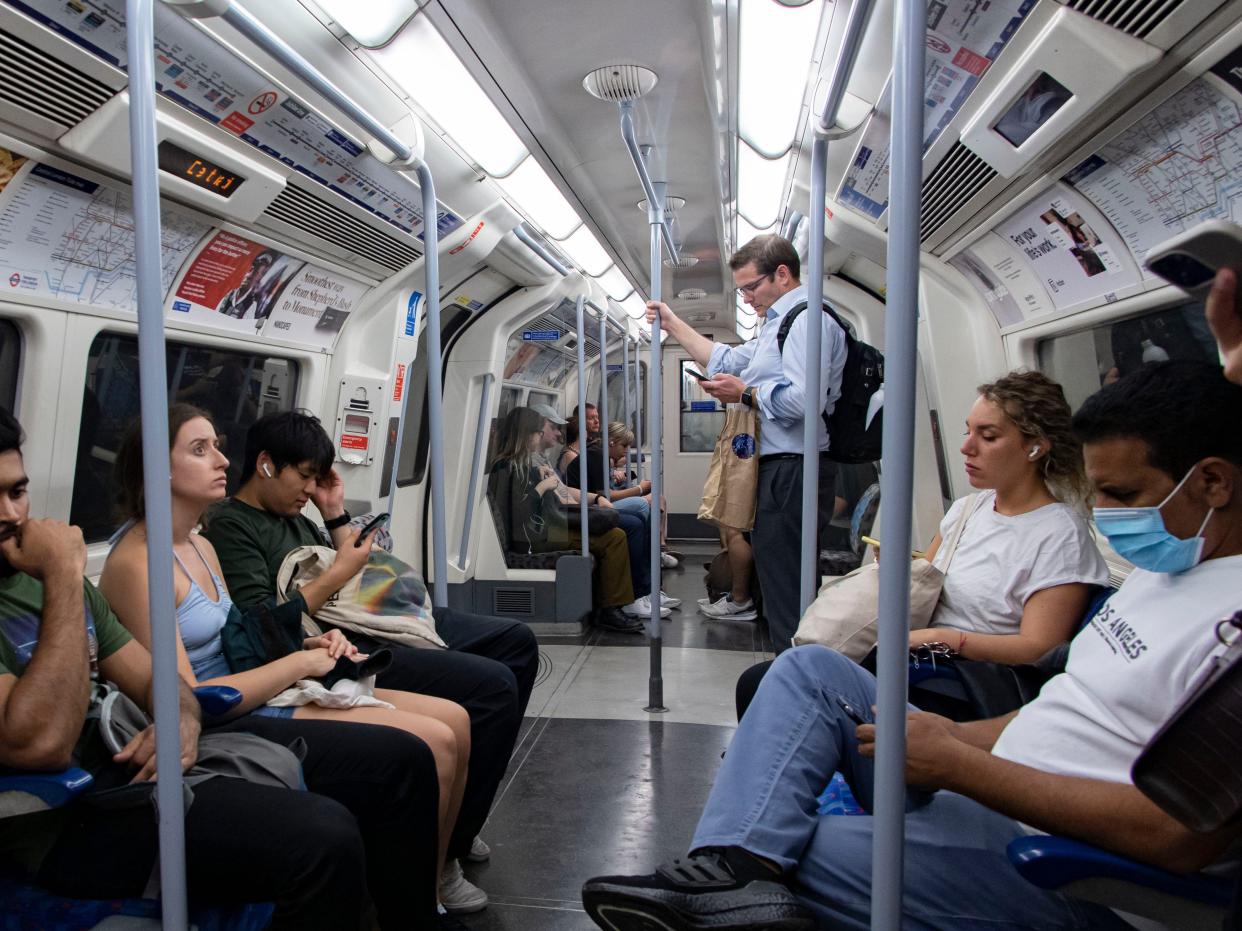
(1003, 279)
(193, 70)
(1075, 252)
(963, 39)
(10, 164)
(248, 287)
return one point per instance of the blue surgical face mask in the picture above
(1139, 535)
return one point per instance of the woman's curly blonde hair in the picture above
(1037, 406)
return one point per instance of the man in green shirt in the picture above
(307, 853)
(490, 664)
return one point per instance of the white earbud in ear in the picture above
(1033, 453)
(267, 469)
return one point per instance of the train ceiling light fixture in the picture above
(618, 83)
(370, 24)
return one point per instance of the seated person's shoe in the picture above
(668, 601)
(669, 561)
(479, 851)
(616, 619)
(641, 607)
(695, 894)
(458, 895)
(728, 609)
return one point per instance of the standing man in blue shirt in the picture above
(758, 374)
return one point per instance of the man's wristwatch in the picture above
(335, 522)
(748, 396)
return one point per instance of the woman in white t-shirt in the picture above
(1026, 563)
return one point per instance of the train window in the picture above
(542, 397)
(10, 354)
(1087, 359)
(702, 416)
(236, 388)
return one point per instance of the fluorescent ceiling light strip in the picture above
(532, 192)
(760, 185)
(586, 252)
(424, 67)
(369, 22)
(775, 46)
(746, 231)
(615, 284)
(635, 307)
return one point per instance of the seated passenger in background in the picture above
(489, 667)
(1165, 458)
(537, 505)
(633, 510)
(244, 842)
(197, 480)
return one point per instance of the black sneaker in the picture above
(618, 620)
(695, 894)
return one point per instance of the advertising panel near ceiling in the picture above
(248, 287)
(193, 70)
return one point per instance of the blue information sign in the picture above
(541, 336)
(702, 405)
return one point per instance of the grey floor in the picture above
(597, 784)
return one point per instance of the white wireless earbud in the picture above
(1033, 453)
(267, 469)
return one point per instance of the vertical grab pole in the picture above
(603, 400)
(476, 466)
(435, 384)
(814, 394)
(901, 351)
(638, 414)
(655, 411)
(625, 380)
(153, 381)
(580, 313)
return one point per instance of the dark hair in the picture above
(289, 438)
(127, 470)
(11, 437)
(589, 405)
(1183, 411)
(514, 438)
(571, 430)
(768, 253)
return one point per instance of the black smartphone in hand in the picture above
(851, 712)
(369, 526)
(699, 375)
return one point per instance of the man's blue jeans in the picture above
(791, 740)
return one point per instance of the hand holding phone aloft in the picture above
(1224, 316)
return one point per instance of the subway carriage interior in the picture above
(1060, 143)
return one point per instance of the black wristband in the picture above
(341, 521)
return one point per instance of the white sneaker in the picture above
(727, 609)
(704, 602)
(479, 851)
(458, 895)
(641, 607)
(668, 601)
(668, 561)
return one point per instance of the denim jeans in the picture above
(790, 741)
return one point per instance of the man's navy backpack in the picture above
(853, 439)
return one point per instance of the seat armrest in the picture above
(52, 790)
(1057, 862)
(941, 669)
(216, 700)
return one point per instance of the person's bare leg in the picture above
(439, 736)
(740, 560)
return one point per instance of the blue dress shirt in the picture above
(780, 381)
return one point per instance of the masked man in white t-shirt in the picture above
(1162, 448)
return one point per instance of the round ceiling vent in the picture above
(619, 82)
(685, 260)
(691, 294)
(672, 203)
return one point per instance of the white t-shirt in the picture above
(1127, 671)
(1002, 561)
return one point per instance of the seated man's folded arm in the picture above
(1112, 815)
(41, 713)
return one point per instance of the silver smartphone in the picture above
(1190, 259)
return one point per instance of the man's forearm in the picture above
(45, 710)
(1115, 816)
(983, 734)
(695, 343)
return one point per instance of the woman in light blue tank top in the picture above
(198, 480)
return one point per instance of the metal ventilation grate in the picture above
(619, 82)
(1134, 17)
(314, 214)
(33, 80)
(960, 176)
(513, 601)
